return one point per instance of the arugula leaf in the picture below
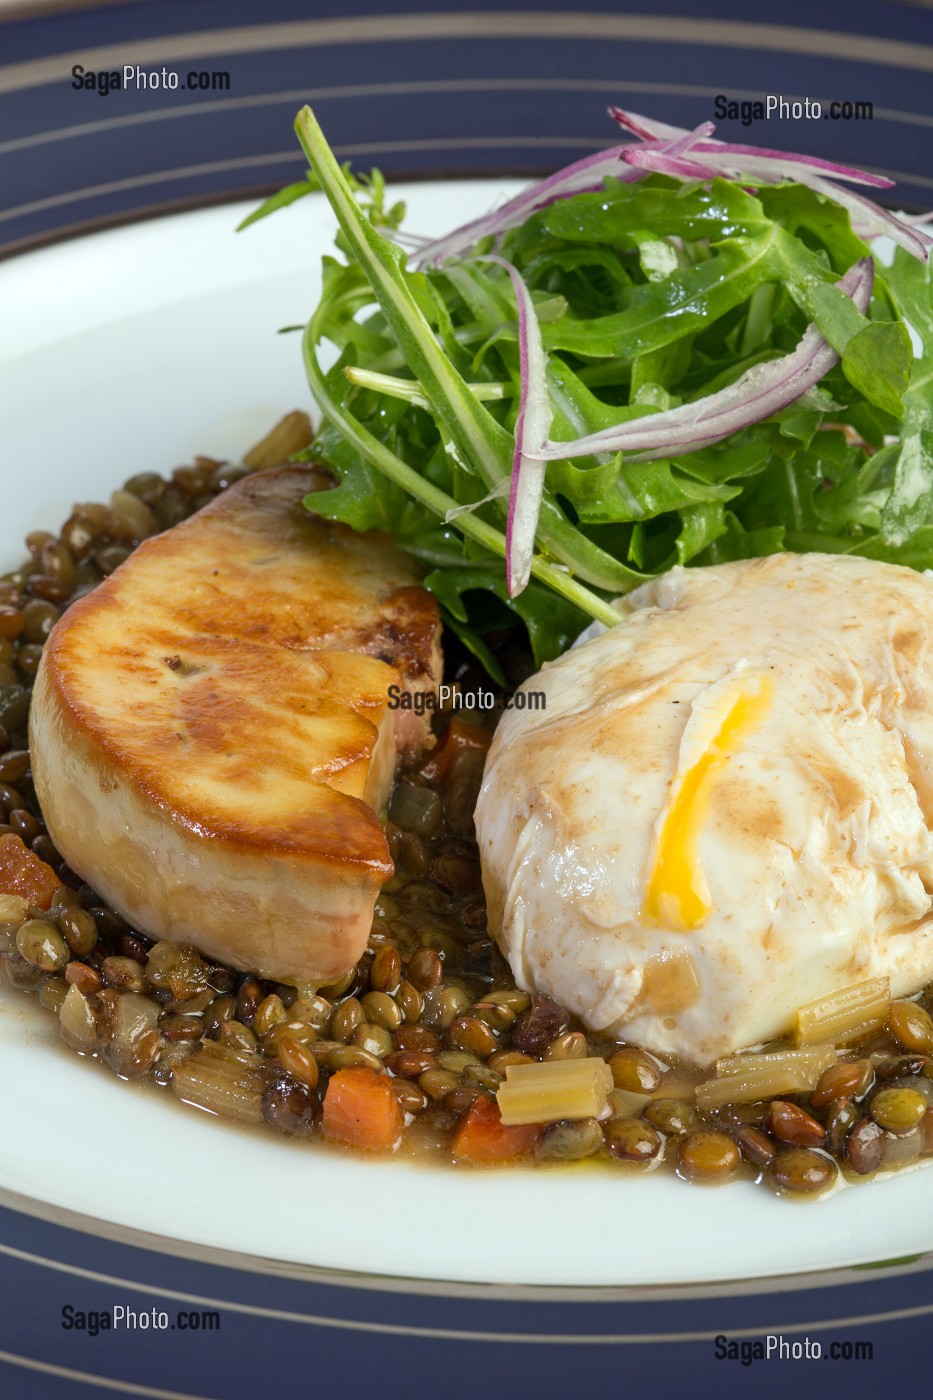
(660, 313)
(909, 508)
(475, 435)
(649, 295)
(369, 189)
(876, 356)
(473, 642)
(645, 490)
(877, 362)
(289, 194)
(738, 543)
(701, 527)
(552, 624)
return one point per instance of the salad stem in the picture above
(379, 456)
(477, 438)
(410, 389)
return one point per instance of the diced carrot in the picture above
(25, 874)
(458, 735)
(483, 1137)
(361, 1110)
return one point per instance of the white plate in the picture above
(131, 351)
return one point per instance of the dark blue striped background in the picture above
(410, 1342)
(71, 161)
(469, 104)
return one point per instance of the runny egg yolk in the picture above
(678, 895)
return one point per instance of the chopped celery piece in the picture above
(544, 1093)
(843, 1015)
(749, 1078)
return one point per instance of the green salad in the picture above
(675, 351)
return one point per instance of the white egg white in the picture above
(809, 851)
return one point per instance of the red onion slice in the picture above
(660, 160)
(671, 157)
(762, 165)
(647, 129)
(531, 429)
(581, 177)
(750, 157)
(685, 155)
(869, 220)
(763, 390)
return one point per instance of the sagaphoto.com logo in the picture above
(774, 106)
(449, 698)
(120, 1317)
(130, 77)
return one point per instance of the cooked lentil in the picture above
(842, 1081)
(347, 1016)
(897, 1110)
(298, 1061)
(840, 1120)
(409, 1064)
(386, 971)
(864, 1147)
(898, 1066)
(41, 944)
(572, 1045)
(425, 970)
(707, 1156)
(635, 1070)
(791, 1124)
(911, 1026)
(237, 1037)
(459, 1098)
(432, 1004)
(569, 1141)
(755, 1145)
(800, 1169)
(381, 1010)
(374, 1038)
(123, 972)
(632, 1140)
(672, 1116)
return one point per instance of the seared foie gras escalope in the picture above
(210, 735)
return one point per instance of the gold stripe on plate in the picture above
(13, 10)
(681, 31)
(421, 86)
(365, 148)
(191, 172)
(68, 1373)
(551, 1338)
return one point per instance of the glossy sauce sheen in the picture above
(210, 736)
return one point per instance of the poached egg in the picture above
(724, 809)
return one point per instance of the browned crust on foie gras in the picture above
(258, 565)
(211, 735)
